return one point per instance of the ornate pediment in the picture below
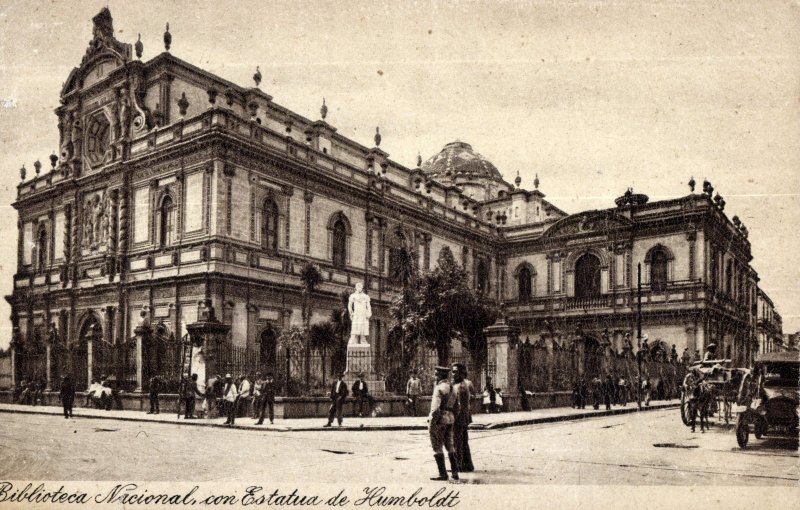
(104, 54)
(588, 223)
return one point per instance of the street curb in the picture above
(369, 428)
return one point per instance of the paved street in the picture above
(602, 450)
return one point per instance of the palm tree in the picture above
(311, 277)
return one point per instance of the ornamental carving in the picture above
(587, 223)
(96, 221)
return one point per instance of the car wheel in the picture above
(742, 433)
(760, 428)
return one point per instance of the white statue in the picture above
(360, 312)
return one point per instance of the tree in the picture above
(311, 277)
(293, 342)
(438, 307)
(323, 338)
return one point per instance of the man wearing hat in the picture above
(361, 394)
(464, 390)
(267, 390)
(413, 391)
(339, 392)
(711, 352)
(230, 395)
(440, 423)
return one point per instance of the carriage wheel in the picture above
(685, 409)
(742, 432)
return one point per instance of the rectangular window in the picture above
(193, 216)
(141, 215)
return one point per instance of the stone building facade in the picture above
(173, 185)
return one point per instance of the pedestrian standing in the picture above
(623, 391)
(686, 357)
(154, 390)
(245, 394)
(489, 397)
(230, 395)
(610, 387)
(256, 405)
(361, 394)
(596, 385)
(440, 424)
(413, 391)
(673, 355)
(67, 395)
(190, 393)
(338, 394)
(267, 399)
(464, 390)
(646, 387)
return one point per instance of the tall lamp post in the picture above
(639, 355)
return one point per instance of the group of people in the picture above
(29, 392)
(339, 393)
(609, 391)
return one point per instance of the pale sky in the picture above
(594, 97)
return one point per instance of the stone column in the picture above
(89, 359)
(142, 331)
(13, 349)
(49, 371)
(502, 351)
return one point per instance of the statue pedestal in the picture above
(359, 359)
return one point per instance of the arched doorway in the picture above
(587, 276)
(267, 347)
(90, 330)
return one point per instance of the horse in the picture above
(700, 402)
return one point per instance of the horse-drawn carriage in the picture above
(719, 388)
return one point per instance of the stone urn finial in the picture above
(377, 137)
(167, 38)
(37, 167)
(22, 172)
(536, 182)
(139, 47)
(324, 110)
(183, 104)
(257, 76)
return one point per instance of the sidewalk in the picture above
(480, 421)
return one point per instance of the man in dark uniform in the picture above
(464, 390)
(339, 393)
(267, 390)
(610, 387)
(597, 388)
(440, 423)
(155, 389)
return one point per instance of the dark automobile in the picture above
(771, 397)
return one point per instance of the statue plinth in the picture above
(360, 361)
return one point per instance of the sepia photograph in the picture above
(415, 254)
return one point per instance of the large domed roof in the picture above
(459, 158)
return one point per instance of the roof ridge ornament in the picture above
(139, 47)
(323, 111)
(536, 181)
(257, 76)
(377, 136)
(167, 38)
(518, 179)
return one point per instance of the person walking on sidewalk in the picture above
(230, 395)
(245, 394)
(413, 391)
(464, 390)
(361, 394)
(67, 395)
(154, 390)
(440, 424)
(339, 393)
(190, 393)
(267, 390)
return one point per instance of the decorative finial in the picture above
(737, 221)
(518, 180)
(167, 38)
(139, 47)
(377, 137)
(22, 172)
(692, 184)
(257, 76)
(721, 204)
(53, 160)
(183, 104)
(37, 166)
(536, 181)
(324, 110)
(419, 160)
(212, 96)
(717, 198)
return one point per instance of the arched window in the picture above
(166, 222)
(482, 276)
(41, 249)
(524, 283)
(658, 270)
(269, 234)
(587, 276)
(339, 243)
